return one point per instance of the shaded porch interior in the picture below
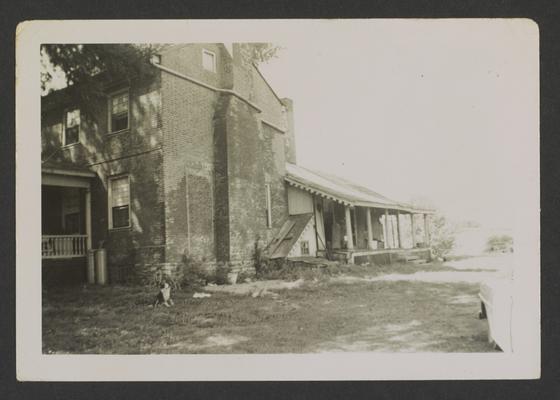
(346, 232)
(63, 222)
(350, 221)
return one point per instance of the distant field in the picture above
(472, 241)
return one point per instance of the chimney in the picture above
(290, 138)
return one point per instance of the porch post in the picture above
(399, 229)
(426, 230)
(393, 239)
(88, 218)
(349, 239)
(387, 246)
(413, 230)
(369, 230)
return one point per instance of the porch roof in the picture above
(59, 175)
(343, 191)
(59, 167)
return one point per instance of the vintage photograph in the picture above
(353, 193)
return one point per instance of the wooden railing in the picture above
(63, 246)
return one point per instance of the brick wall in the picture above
(188, 112)
(255, 158)
(218, 158)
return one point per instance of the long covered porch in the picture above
(353, 223)
(351, 232)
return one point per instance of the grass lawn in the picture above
(320, 315)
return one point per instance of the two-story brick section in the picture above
(195, 160)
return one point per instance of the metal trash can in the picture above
(101, 266)
(91, 266)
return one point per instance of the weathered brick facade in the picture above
(198, 160)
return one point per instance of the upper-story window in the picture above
(119, 111)
(209, 60)
(71, 133)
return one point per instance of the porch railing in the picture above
(63, 246)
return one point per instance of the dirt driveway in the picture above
(398, 308)
(457, 290)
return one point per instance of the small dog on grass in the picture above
(164, 296)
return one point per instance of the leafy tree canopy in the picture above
(260, 52)
(82, 63)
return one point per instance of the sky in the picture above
(437, 111)
(429, 111)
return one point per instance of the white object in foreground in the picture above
(497, 301)
(201, 295)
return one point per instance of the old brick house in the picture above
(198, 161)
(188, 162)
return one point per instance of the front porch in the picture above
(65, 223)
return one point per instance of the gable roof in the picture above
(343, 190)
(288, 235)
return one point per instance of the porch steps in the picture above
(412, 258)
(311, 262)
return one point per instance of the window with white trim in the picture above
(268, 206)
(71, 127)
(119, 202)
(209, 60)
(119, 111)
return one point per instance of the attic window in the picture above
(209, 60)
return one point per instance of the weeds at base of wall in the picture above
(197, 272)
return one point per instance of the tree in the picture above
(442, 236)
(259, 53)
(82, 64)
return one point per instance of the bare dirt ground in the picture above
(398, 308)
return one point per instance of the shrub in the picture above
(244, 275)
(499, 243)
(221, 273)
(259, 262)
(193, 272)
(442, 236)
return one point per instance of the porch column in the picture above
(413, 227)
(88, 218)
(349, 239)
(426, 230)
(399, 229)
(393, 237)
(387, 246)
(369, 230)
